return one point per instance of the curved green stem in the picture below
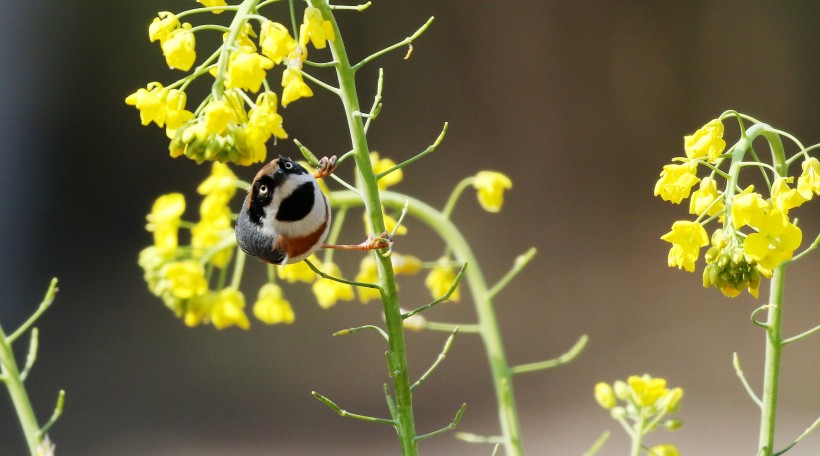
(18, 394)
(488, 323)
(771, 374)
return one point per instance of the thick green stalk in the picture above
(488, 324)
(19, 396)
(771, 373)
(397, 355)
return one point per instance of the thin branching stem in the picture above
(749, 390)
(447, 344)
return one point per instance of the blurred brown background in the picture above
(580, 103)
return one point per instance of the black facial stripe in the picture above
(256, 211)
(295, 169)
(297, 205)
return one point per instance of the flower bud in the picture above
(673, 424)
(604, 395)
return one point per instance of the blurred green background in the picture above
(580, 103)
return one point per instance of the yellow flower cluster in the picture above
(757, 234)
(645, 402)
(228, 126)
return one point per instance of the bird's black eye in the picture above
(263, 190)
(288, 165)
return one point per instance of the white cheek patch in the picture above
(311, 222)
(272, 227)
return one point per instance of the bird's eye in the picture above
(263, 190)
(288, 165)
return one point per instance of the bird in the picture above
(285, 217)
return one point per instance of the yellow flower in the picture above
(175, 113)
(328, 291)
(686, 238)
(185, 279)
(663, 450)
(265, 118)
(748, 208)
(227, 309)
(210, 232)
(604, 395)
(808, 184)
(218, 114)
(646, 390)
(294, 87)
(405, 264)
(150, 101)
(213, 3)
(271, 308)
(703, 198)
(246, 69)
(368, 273)
(164, 219)
(197, 310)
(673, 399)
(785, 198)
(162, 26)
(491, 186)
(221, 181)
(706, 142)
(316, 29)
(276, 41)
(676, 181)
(298, 272)
(179, 48)
(775, 242)
(440, 279)
(381, 165)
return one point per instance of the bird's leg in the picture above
(326, 167)
(372, 243)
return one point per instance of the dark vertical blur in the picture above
(580, 103)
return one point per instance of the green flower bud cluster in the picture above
(729, 268)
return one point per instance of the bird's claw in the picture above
(326, 167)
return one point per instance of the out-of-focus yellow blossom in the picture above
(381, 165)
(185, 279)
(775, 242)
(491, 186)
(706, 142)
(164, 24)
(785, 198)
(368, 273)
(646, 390)
(808, 184)
(150, 102)
(663, 450)
(179, 48)
(175, 113)
(227, 309)
(673, 399)
(703, 198)
(328, 291)
(316, 29)
(164, 219)
(246, 69)
(151, 260)
(209, 233)
(221, 181)
(265, 118)
(748, 208)
(687, 238)
(676, 181)
(294, 87)
(440, 279)
(213, 3)
(604, 395)
(271, 308)
(276, 41)
(405, 264)
(298, 272)
(197, 310)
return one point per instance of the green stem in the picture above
(637, 437)
(488, 324)
(239, 19)
(771, 374)
(367, 183)
(19, 396)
